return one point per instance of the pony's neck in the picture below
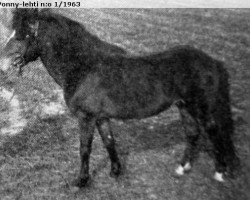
(64, 48)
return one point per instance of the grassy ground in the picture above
(40, 162)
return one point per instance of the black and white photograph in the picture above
(123, 100)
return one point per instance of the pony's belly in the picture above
(130, 110)
(140, 113)
(92, 98)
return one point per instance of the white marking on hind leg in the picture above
(187, 166)
(179, 170)
(219, 177)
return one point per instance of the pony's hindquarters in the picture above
(207, 107)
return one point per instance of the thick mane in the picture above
(76, 29)
(49, 16)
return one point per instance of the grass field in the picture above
(41, 161)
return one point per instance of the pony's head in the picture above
(25, 27)
(25, 23)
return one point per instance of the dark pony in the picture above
(101, 82)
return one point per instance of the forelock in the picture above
(24, 16)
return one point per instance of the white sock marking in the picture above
(187, 166)
(180, 170)
(218, 177)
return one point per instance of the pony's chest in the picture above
(88, 96)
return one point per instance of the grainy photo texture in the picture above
(124, 104)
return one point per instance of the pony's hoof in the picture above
(80, 182)
(115, 170)
(180, 170)
(219, 177)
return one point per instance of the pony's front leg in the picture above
(105, 132)
(87, 127)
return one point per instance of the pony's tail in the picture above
(224, 122)
(223, 103)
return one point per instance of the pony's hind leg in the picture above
(106, 134)
(220, 134)
(87, 127)
(192, 132)
(218, 150)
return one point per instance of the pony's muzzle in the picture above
(18, 60)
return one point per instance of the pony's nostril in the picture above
(17, 60)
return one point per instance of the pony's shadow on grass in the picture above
(40, 135)
(136, 137)
(153, 136)
(159, 133)
(140, 137)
